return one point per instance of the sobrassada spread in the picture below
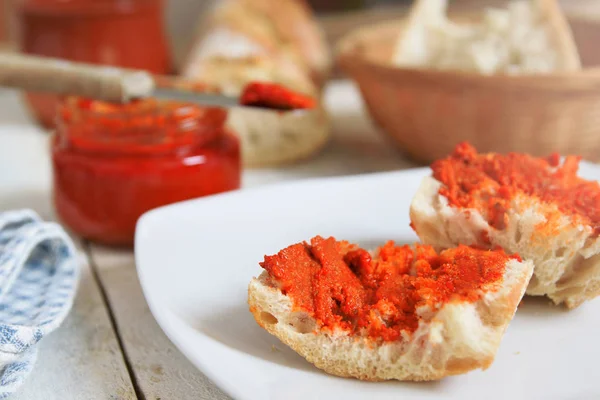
(489, 182)
(273, 96)
(343, 287)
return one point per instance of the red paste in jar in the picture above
(112, 163)
(488, 183)
(123, 33)
(274, 96)
(343, 287)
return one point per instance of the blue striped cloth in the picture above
(39, 271)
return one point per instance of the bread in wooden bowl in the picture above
(536, 207)
(398, 313)
(529, 36)
(427, 111)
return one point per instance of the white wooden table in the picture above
(110, 346)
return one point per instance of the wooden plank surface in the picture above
(82, 358)
(160, 370)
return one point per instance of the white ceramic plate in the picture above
(195, 260)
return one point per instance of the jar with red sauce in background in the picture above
(123, 33)
(112, 163)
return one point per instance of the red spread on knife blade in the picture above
(273, 96)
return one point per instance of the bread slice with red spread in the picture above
(536, 207)
(401, 312)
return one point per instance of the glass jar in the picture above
(113, 163)
(123, 33)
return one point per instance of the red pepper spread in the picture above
(270, 95)
(488, 183)
(114, 162)
(342, 286)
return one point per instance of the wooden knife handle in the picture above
(40, 74)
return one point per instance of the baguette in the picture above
(276, 41)
(413, 331)
(537, 208)
(283, 29)
(268, 137)
(530, 36)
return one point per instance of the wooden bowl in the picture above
(428, 112)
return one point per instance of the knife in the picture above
(121, 85)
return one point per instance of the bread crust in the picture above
(293, 23)
(272, 27)
(562, 34)
(458, 338)
(566, 255)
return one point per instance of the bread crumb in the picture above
(517, 353)
(509, 40)
(274, 349)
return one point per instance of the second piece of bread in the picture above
(565, 251)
